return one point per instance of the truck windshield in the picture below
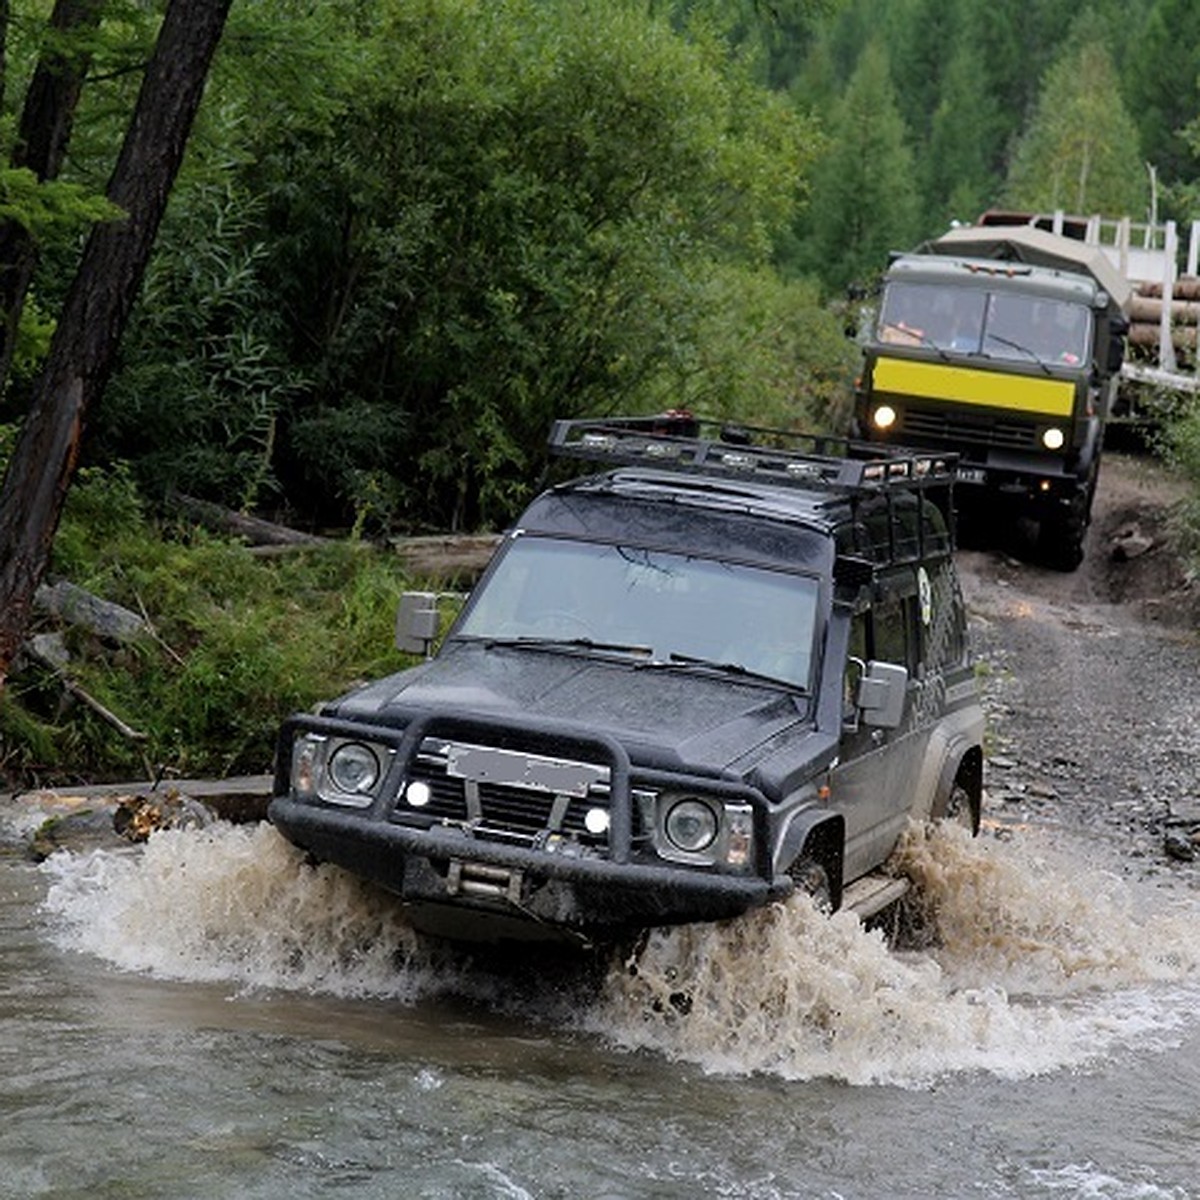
(654, 605)
(1006, 325)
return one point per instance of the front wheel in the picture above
(811, 878)
(959, 809)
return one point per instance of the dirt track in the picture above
(1092, 679)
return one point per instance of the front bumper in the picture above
(591, 896)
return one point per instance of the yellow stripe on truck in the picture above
(937, 381)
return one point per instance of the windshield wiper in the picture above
(995, 337)
(534, 642)
(690, 662)
(918, 335)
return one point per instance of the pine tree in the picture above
(864, 198)
(1080, 149)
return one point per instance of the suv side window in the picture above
(894, 631)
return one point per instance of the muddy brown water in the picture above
(211, 1016)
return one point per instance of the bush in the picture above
(237, 643)
(1182, 450)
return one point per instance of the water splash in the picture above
(1031, 962)
(1030, 959)
(236, 904)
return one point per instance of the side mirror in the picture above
(416, 622)
(881, 694)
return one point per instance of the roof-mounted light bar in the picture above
(676, 441)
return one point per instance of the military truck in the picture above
(732, 664)
(1005, 346)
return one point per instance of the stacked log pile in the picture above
(1146, 311)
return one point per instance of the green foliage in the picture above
(237, 643)
(493, 215)
(1162, 86)
(1181, 443)
(50, 208)
(202, 419)
(1079, 151)
(864, 197)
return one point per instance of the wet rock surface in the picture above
(1091, 680)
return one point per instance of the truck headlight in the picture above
(691, 825)
(1053, 438)
(884, 417)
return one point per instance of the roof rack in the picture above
(676, 440)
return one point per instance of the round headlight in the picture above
(354, 768)
(1053, 438)
(884, 417)
(691, 825)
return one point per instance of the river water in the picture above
(209, 1016)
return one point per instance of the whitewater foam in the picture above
(1033, 959)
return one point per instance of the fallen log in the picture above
(1186, 287)
(447, 556)
(1149, 308)
(254, 530)
(1183, 337)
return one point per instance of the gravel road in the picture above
(1092, 679)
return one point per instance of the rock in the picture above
(1184, 810)
(1043, 791)
(1129, 543)
(87, 829)
(1179, 847)
(50, 648)
(118, 822)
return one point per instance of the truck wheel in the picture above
(811, 878)
(1060, 542)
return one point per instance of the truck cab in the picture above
(729, 665)
(1005, 346)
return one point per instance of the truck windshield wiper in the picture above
(995, 337)
(690, 661)
(918, 336)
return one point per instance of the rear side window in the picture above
(894, 635)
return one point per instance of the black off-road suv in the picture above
(733, 664)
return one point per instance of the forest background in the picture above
(410, 233)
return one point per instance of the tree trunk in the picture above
(97, 306)
(41, 143)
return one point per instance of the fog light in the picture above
(691, 825)
(596, 821)
(418, 793)
(884, 417)
(1053, 438)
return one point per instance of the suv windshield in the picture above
(653, 604)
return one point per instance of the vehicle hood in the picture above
(664, 716)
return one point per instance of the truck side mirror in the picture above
(416, 622)
(881, 694)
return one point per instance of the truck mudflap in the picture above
(446, 866)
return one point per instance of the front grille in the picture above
(953, 425)
(520, 805)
